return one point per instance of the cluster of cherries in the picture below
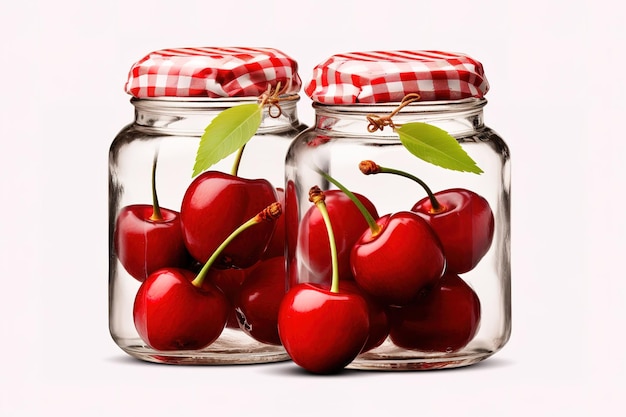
(216, 263)
(220, 262)
(400, 275)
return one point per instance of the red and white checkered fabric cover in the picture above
(388, 76)
(212, 72)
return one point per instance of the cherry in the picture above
(464, 223)
(348, 225)
(144, 244)
(170, 313)
(259, 298)
(175, 309)
(397, 259)
(462, 220)
(322, 329)
(229, 281)
(148, 237)
(378, 317)
(444, 318)
(215, 195)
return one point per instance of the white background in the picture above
(556, 70)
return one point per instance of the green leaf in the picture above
(228, 132)
(436, 146)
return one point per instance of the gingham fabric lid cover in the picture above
(388, 76)
(212, 72)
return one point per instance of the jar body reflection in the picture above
(421, 333)
(165, 136)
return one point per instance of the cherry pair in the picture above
(462, 220)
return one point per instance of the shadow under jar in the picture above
(439, 296)
(156, 313)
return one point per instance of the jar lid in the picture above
(212, 72)
(388, 76)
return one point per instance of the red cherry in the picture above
(143, 244)
(322, 331)
(216, 203)
(394, 263)
(379, 322)
(170, 313)
(258, 300)
(229, 281)
(148, 237)
(348, 224)
(464, 223)
(445, 318)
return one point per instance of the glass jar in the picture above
(151, 160)
(461, 313)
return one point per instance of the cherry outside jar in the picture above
(176, 284)
(434, 270)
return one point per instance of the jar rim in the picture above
(438, 106)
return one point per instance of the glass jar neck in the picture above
(192, 115)
(456, 117)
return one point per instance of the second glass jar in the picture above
(417, 190)
(460, 319)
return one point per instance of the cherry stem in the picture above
(371, 222)
(269, 213)
(370, 167)
(317, 197)
(156, 209)
(235, 169)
